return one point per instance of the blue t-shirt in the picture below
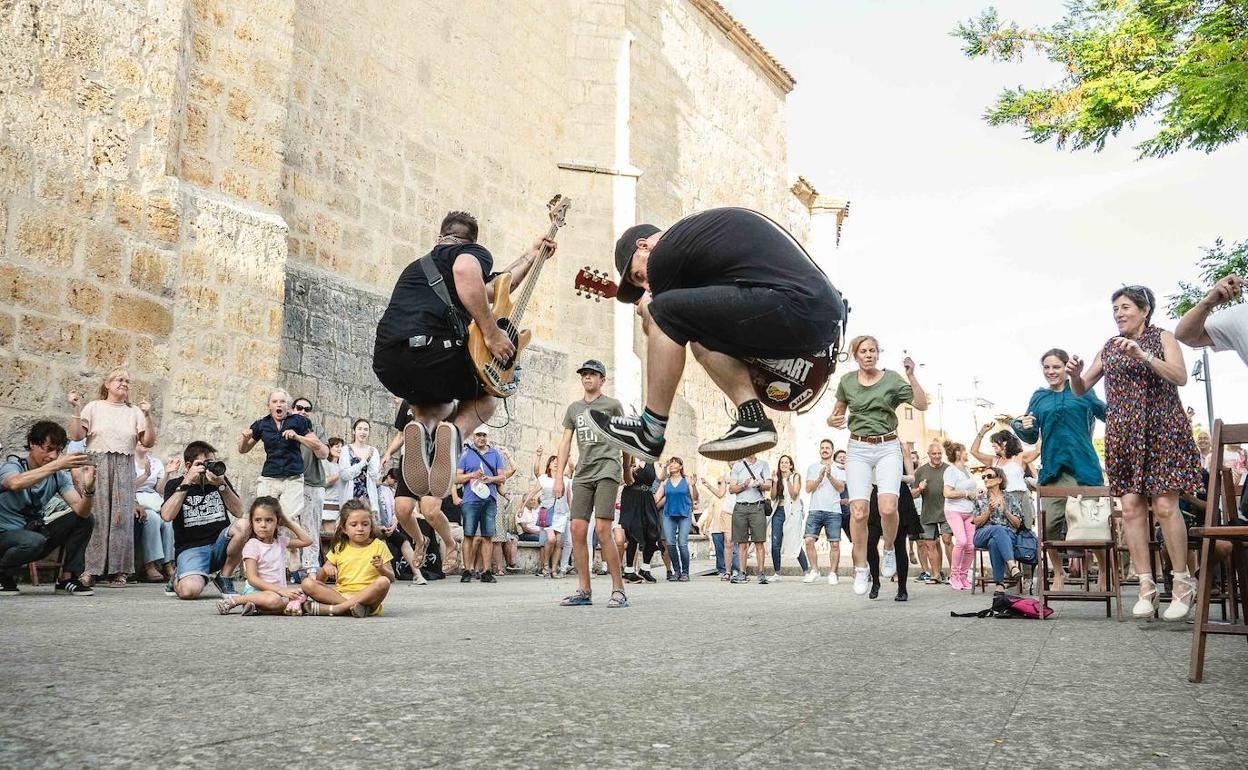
(19, 506)
(470, 462)
(677, 503)
(282, 456)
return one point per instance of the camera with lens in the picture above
(215, 467)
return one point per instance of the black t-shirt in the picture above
(414, 307)
(202, 517)
(403, 416)
(733, 247)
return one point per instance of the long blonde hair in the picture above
(113, 374)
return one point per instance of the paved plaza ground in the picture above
(701, 674)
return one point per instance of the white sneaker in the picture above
(775, 578)
(862, 580)
(889, 567)
(811, 576)
(833, 579)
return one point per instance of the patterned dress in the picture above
(1149, 448)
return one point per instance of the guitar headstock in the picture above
(558, 208)
(595, 284)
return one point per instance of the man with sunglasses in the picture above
(315, 481)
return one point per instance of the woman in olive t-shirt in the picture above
(871, 396)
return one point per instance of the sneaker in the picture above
(602, 570)
(415, 467)
(833, 579)
(736, 578)
(762, 579)
(632, 577)
(627, 434)
(775, 577)
(742, 440)
(446, 446)
(466, 577)
(225, 585)
(418, 579)
(570, 571)
(72, 587)
(671, 576)
(169, 589)
(888, 567)
(862, 580)
(923, 577)
(488, 577)
(684, 577)
(646, 575)
(8, 585)
(812, 576)
(875, 591)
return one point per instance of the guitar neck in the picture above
(531, 280)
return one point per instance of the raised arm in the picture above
(1191, 328)
(147, 436)
(983, 457)
(920, 396)
(75, 430)
(1080, 381)
(245, 441)
(520, 268)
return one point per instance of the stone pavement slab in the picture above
(698, 674)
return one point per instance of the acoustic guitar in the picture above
(500, 378)
(783, 384)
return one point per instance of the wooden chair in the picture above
(982, 579)
(1222, 500)
(1112, 593)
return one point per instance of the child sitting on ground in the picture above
(359, 562)
(264, 564)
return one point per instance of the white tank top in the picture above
(1015, 481)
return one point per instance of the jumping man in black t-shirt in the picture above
(729, 283)
(420, 356)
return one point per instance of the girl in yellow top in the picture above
(359, 562)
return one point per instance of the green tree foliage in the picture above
(1216, 264)
(1183, 63)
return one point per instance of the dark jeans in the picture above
(22, 546)
(777, 539)
(718, 539)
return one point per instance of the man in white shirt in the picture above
(825, 481)
(750, 481)
(1226, 329)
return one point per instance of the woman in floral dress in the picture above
(1149, 450)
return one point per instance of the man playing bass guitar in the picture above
(420, 355)
(729, 284)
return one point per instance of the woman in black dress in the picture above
(639, 518)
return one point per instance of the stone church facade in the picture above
(219, 195)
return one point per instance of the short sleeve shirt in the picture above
(471, 462)
(596, 459)
(934, 496)
(355, 565)
(112, 427)
(1228, 328)
(961, 481)
(825, 497)
(741, 474)
(873, 409)
(415, 308)
(19, 506)
(282, 456)
(202, 517)
(270, 559)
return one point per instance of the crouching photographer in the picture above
(27, 487)
(200, 504)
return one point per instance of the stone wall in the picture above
(220, 195)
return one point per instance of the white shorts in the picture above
(878, 464)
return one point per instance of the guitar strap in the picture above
(459, 330)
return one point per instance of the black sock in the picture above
(751, 411)
(654, 424)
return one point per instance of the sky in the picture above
(969, 246)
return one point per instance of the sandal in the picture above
(363, 610)
(294, 608)
(311, 607)
(616, 603)
(1182, 597)
(117, 581)
(578, 599)
(1146, 605)
(226, 605)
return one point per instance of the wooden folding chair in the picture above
(1221, 501)
(1112, 593)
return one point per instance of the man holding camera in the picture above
(26, 488)
(284, 434)
(200, 504)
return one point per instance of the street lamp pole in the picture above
(1202, 374)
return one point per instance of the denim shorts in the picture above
(479, 518)
(203, 560)
(827, 521)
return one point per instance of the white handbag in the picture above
(1087, 518)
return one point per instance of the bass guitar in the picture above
(500, 377)
(783, 384)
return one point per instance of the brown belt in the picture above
(874, 439)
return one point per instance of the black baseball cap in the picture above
(625, 247)
(593, 365)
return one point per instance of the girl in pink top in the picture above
(112, 427)
(264, 563)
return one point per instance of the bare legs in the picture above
(858, 512)
(370, 596)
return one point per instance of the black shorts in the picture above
(749, 321)
(427, 376)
